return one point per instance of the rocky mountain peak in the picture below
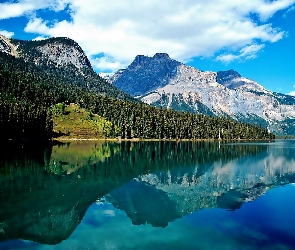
(62, 57)
(225, 76)
(145, 74)
(161, 56)
(233, 80)
(164, 82)
(58, 52)
(63, 52)
(139, 58)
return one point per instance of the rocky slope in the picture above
(164, 82)
(63, 58)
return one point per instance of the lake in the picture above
(148, 195)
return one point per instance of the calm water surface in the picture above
(148, 195)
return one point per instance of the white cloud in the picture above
(38, 38)
(289, 10)
(10, 9)
(248, 52)
(292, 93)
(184, 29)
(105, 64)
(6, 33)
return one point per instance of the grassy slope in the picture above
(66, 159)
(71, 121)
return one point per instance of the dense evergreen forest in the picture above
(28, 92)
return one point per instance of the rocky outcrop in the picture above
(6, 46)
(61, 54)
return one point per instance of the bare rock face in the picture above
(60, 51)
(62, 54)
(164, 82)
(7, 47)
(4, 46)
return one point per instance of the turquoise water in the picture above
(148, 195)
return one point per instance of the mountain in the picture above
(63, 58)
(36, 76)
(164, 82)
(145, 74)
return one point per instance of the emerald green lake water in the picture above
(148, 195)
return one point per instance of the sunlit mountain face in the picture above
(164, 82)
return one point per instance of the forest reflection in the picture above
(47, 189)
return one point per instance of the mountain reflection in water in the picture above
(46, 190)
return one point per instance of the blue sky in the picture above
(255, 38)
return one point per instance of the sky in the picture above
(254, 37)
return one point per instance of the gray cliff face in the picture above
(59, 52)
(4, 46)
(164, 82)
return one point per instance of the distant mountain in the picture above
(164, 82)
(64, 58)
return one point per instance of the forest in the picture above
(28, 93)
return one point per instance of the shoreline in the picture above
(155, 140)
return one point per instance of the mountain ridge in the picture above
(222, 93)
(64, 57)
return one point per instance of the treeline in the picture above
(28, 93)
(138, 120)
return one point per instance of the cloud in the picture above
(106, 64)
(183, 29)
(289, 10)
(10, 9)
(6, 33)
(292, 93)
(38, 38)
(248, 52)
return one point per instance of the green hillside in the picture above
(71, 121)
